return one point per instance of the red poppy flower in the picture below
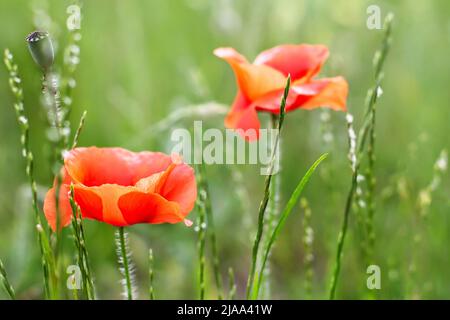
(261, 84)
(122, 188)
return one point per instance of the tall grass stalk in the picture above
(272, 209)
(341, 238)
(126, 267)
(5, 282)
(283, 217)
(80, 244)
(205, 197)
(201, 243)
(265, 200)
(374, 93)
(47, 261)
(231, 284)
(151, 290)
(308, 240)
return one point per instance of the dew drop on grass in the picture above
(23, 121)
(379, 92)
(67, 101)
(72, 83)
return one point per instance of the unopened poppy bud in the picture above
(41, 48)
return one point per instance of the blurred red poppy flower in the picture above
(122, 188)
(261, 84)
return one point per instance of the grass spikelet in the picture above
(373, 95)
(79, 129)
(70, 62)
(308, 239)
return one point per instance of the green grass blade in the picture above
(284, 215)
(265, 200)
(4, 280)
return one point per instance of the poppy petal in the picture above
(101, 202)
(302, 61)
(253, 80)
(148, 163)
(64, 208)
(243, 118)
(89, 201)
(180, 187)
(140, 207)
(327, 92)
(96, 166)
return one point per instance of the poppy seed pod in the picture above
(41, 48)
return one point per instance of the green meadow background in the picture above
(142, 61)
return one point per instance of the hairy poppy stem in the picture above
(265, 200)
(125, 263)
(379, 59)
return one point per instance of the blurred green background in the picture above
(141, 61)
